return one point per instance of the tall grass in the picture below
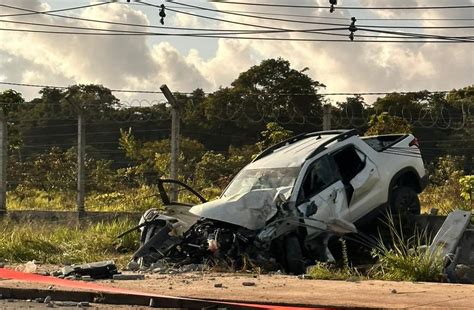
(66, 244)
(132, 200)
(325, 271)
(406, 259)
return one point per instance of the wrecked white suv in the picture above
(282, 208)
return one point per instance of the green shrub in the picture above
(467, 187)
(448, 188)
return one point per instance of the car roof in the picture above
(293, 152)
(292, 155)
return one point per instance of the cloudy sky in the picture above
(186, 63)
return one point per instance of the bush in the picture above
(448, 188)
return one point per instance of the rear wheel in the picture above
(404, 200)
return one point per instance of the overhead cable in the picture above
(189, 93)
(293, 6)
(230, 36)
(50, 11)
(306, 22)
(322, 31)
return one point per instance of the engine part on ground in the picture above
(97, 270)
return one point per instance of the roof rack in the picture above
(340, 137)
(340, 133)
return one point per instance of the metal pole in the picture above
(327, 117)
(81, 143)
(3, 162)
(175, 129)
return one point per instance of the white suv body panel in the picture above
(342, 198)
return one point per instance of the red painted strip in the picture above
(36, 278)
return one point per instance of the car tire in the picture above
(404, 200)
(294, 255)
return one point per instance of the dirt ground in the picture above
(292, 290)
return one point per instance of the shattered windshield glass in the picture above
(252, 179)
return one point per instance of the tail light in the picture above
(414, 142)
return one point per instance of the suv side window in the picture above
(322, 173)
(349, 162)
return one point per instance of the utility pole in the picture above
(327, 117)
(81, 167)
(81, 153)
(3, 162)
(175, 128)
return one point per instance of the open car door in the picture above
(359, 176)
(322, 194)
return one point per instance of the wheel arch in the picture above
(408, 177)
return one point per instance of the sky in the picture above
(184, 63)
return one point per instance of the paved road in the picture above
(294, 291)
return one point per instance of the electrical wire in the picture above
(47, 12)
(451, 40)
(127, 24)
(331, 18)
(282, 94)
(233, 32)
(309, 22)
(321, 31)
(293, 6)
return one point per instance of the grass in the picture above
(324, 271)
(65, 244)
(133, 200)
(406, 259)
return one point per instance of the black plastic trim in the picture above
(164, 195)
(302, 136)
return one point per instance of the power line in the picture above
(125, 24)
(321, 31)
(66, 87)
(227, 32)
(214, 36)
(282, 94)
(51, 11)
(312, 23)
(454, 39)
(293, 6)
(331, 18)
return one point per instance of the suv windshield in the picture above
(251, 179)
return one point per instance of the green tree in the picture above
(153, 157)
(272, 135)
(386, 124)
(269, 92)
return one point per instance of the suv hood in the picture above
(250, 210)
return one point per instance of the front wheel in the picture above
(294, 255)
(404, 200)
